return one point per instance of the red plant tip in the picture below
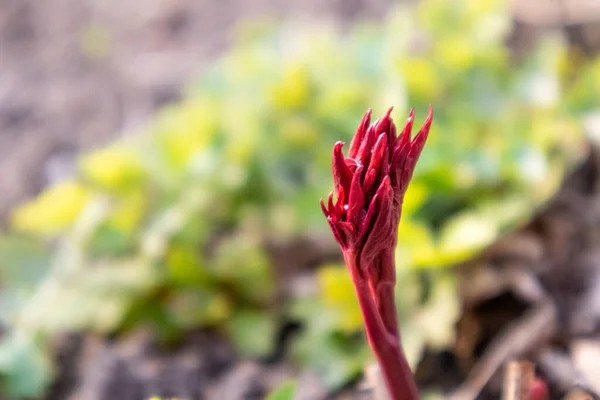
(369, 187)
(370, 183)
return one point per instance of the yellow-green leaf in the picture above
(294, 89)
(253, 332)
(53, 211)
(285, 391)
(421, 77)
(337, 292)
(183, 131)
(115, 167)
(465, 234)
(415, 196)
(184, 266)
(128, 212)
(416, 246)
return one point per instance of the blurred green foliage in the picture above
(167, 229)
(285, 391)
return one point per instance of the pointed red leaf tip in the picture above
(405, 134)
(419, 140)
(360, 133)
(342, 175)
(370, 183)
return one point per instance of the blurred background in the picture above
(162, 161)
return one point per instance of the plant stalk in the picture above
(384, 341)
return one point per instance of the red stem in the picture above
(382, 290)
(384, 342)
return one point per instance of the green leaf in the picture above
(197, 307)
(108, 241)
(98, 301)
(116, 167)
(253, 332)
(185, 267)
(23, 264)
(336, 358)
(53, 211)
(23, 260)
(430, 323)
(286, 391)
(337, 293)
(25, 367)
(240, 261)
(464, 235)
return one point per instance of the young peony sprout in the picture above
(370, 185)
